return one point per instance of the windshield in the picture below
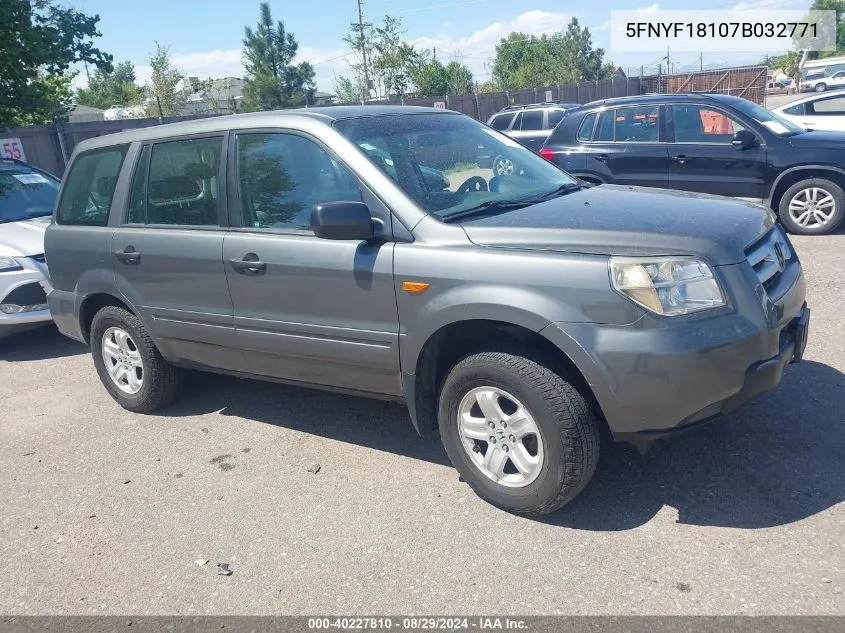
(25, 195)
(451, 164)
(768, 119)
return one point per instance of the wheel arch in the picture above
(790, 176)
(95, 302)
(454, 341)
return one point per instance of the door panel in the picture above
(175, 277)
(313, 310)
(702, 158)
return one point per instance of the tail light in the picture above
(547, 153)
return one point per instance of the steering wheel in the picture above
(473, 183)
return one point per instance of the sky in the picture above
(205, 36)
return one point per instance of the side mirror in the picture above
(744, 139)
(342, 221)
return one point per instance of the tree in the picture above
(786, 63)
(106, 89)
(162, 96)
(431, 79)
(360, 39)
(272, 80)
(40, 42)
(527, 61)
(395, 59)
(458, 78)
(839, 7)
(347, 90)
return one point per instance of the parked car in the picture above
(27, 196)
(528, 124)
(708, 143)
(776, 87)
(518, 314)
(820, 83)
(816, 112)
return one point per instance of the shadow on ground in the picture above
(39, 344)
(779, 459)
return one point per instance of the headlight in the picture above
(9, 264)
(667, 286)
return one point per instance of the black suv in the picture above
(529, 124)
(708, 143)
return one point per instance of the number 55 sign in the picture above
(12, 148)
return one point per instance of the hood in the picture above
(818, 139)
(632, 221)
(23, 238)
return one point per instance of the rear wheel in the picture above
(820, 87)
(130, 366)
(521, 435)
(503, 166)
(812, 207)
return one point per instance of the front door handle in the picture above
(128, 256)
(680, 159)
(249, 265)
(602, 158)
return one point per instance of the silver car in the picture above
(26, 202)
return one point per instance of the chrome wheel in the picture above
(123, 360)
(500, 436)
(812, 208)
(503, 166)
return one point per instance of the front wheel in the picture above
(521, 435)
(812, 207)
(130, 366)
(820, 87)
(503, 166)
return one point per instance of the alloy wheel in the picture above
(123, 361)
(812, 208)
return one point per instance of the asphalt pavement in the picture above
(109, 512)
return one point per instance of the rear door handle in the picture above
(680, 159)
(128, 256)
(602, 158)
(249, 265)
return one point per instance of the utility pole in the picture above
(365, 93)
(701, 61)
(668, 62)
(86, 71)
(434, 55)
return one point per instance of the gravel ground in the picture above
(108, 512)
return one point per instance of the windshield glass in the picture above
(452, 164)
(768, 119)
(26, 194)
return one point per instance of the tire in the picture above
(567, 441)
(160, 381)
(820, 88)
(503, 166)
(790, 211)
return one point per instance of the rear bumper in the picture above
(658, 377)
(65, 313)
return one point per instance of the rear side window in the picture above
(797, 110)
(183, 182)
(604, 130)
(555, 117)
(532, 120)
(501, 121)
(585, 131)
(89, 187)
(637, 125)
(830, 106)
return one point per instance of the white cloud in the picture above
(649, 9)
(765, 4)
(477, 48)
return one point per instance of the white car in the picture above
(27, 195)
(821, 83)
(823, 111)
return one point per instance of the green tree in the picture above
(395, 59)
(40, 42)
(431, 79)
(839, 7)
(360, 39)
(527, 61)
(458, 78)
(272, 80)
(106, 89)
(347, 90)
(162, 96)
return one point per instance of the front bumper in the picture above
(660, 376)
(25, 287)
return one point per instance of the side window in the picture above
(798, 110)
(555, 117)
(89, 187)
(585, 131)
(137, 206)
(700, 124)
(604, 130)
(532, 120)
(830, 107)
(501, 121)
(182, 186)
(517, 124)
(282, 176)
(637, 125)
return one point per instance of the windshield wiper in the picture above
(560, 191)
(491, 206)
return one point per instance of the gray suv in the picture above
(519, 314)
(529, 124)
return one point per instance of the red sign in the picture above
(12, 148)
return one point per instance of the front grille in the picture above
(769, 256)
(38, 258)
(27, 295)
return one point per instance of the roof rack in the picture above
(523, 106)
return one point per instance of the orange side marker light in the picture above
(415, 287)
